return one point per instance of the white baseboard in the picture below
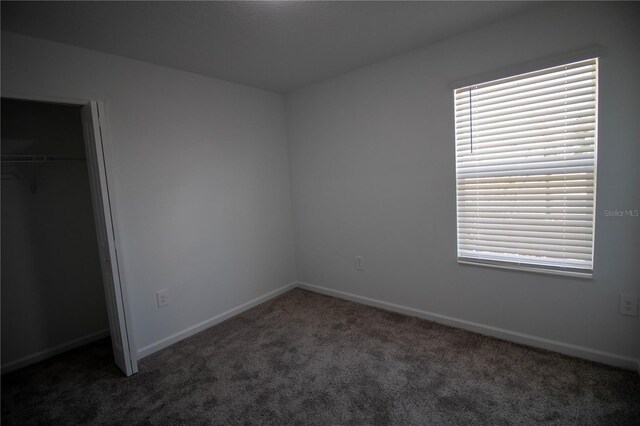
(168, 341)
(48, 353)
(500, 333)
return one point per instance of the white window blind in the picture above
(526, 167)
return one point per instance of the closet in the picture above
(53, 297)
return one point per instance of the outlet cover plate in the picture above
(163, 298)
(629, 304)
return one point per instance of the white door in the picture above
(106, 242)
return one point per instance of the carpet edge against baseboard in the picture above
(51, 352)
(577, 351)
(190, 331)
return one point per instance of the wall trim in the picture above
(58, 349)
(500, 333)
(190, 331)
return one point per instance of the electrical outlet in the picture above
(163, 298)
(359, 263)
(629, 304)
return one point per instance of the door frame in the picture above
(103, 145)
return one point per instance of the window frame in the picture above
(594, 53)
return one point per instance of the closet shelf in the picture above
(20, 159)
(26, 167)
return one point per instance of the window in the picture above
(526, 169)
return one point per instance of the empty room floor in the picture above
(305, 358)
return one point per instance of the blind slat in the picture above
(541, 251)
(585, 83)
(532, 76)
(582, 143)
(501, 105)
(506, 240)
(552, 79)
(469, 232)
(515, 258)
(541, 170)
(530, 119)
(525, 222)
(527, 180)
(547, 188)
(585, 138)
(526, 108)
(573, 130)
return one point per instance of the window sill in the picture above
(525, 268)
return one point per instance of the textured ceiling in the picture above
(279, 46)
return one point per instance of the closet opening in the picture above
(60, 288)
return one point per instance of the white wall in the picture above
(200, 179)
(373, 175)
(52, 292)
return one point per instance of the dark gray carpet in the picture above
(304, 358)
